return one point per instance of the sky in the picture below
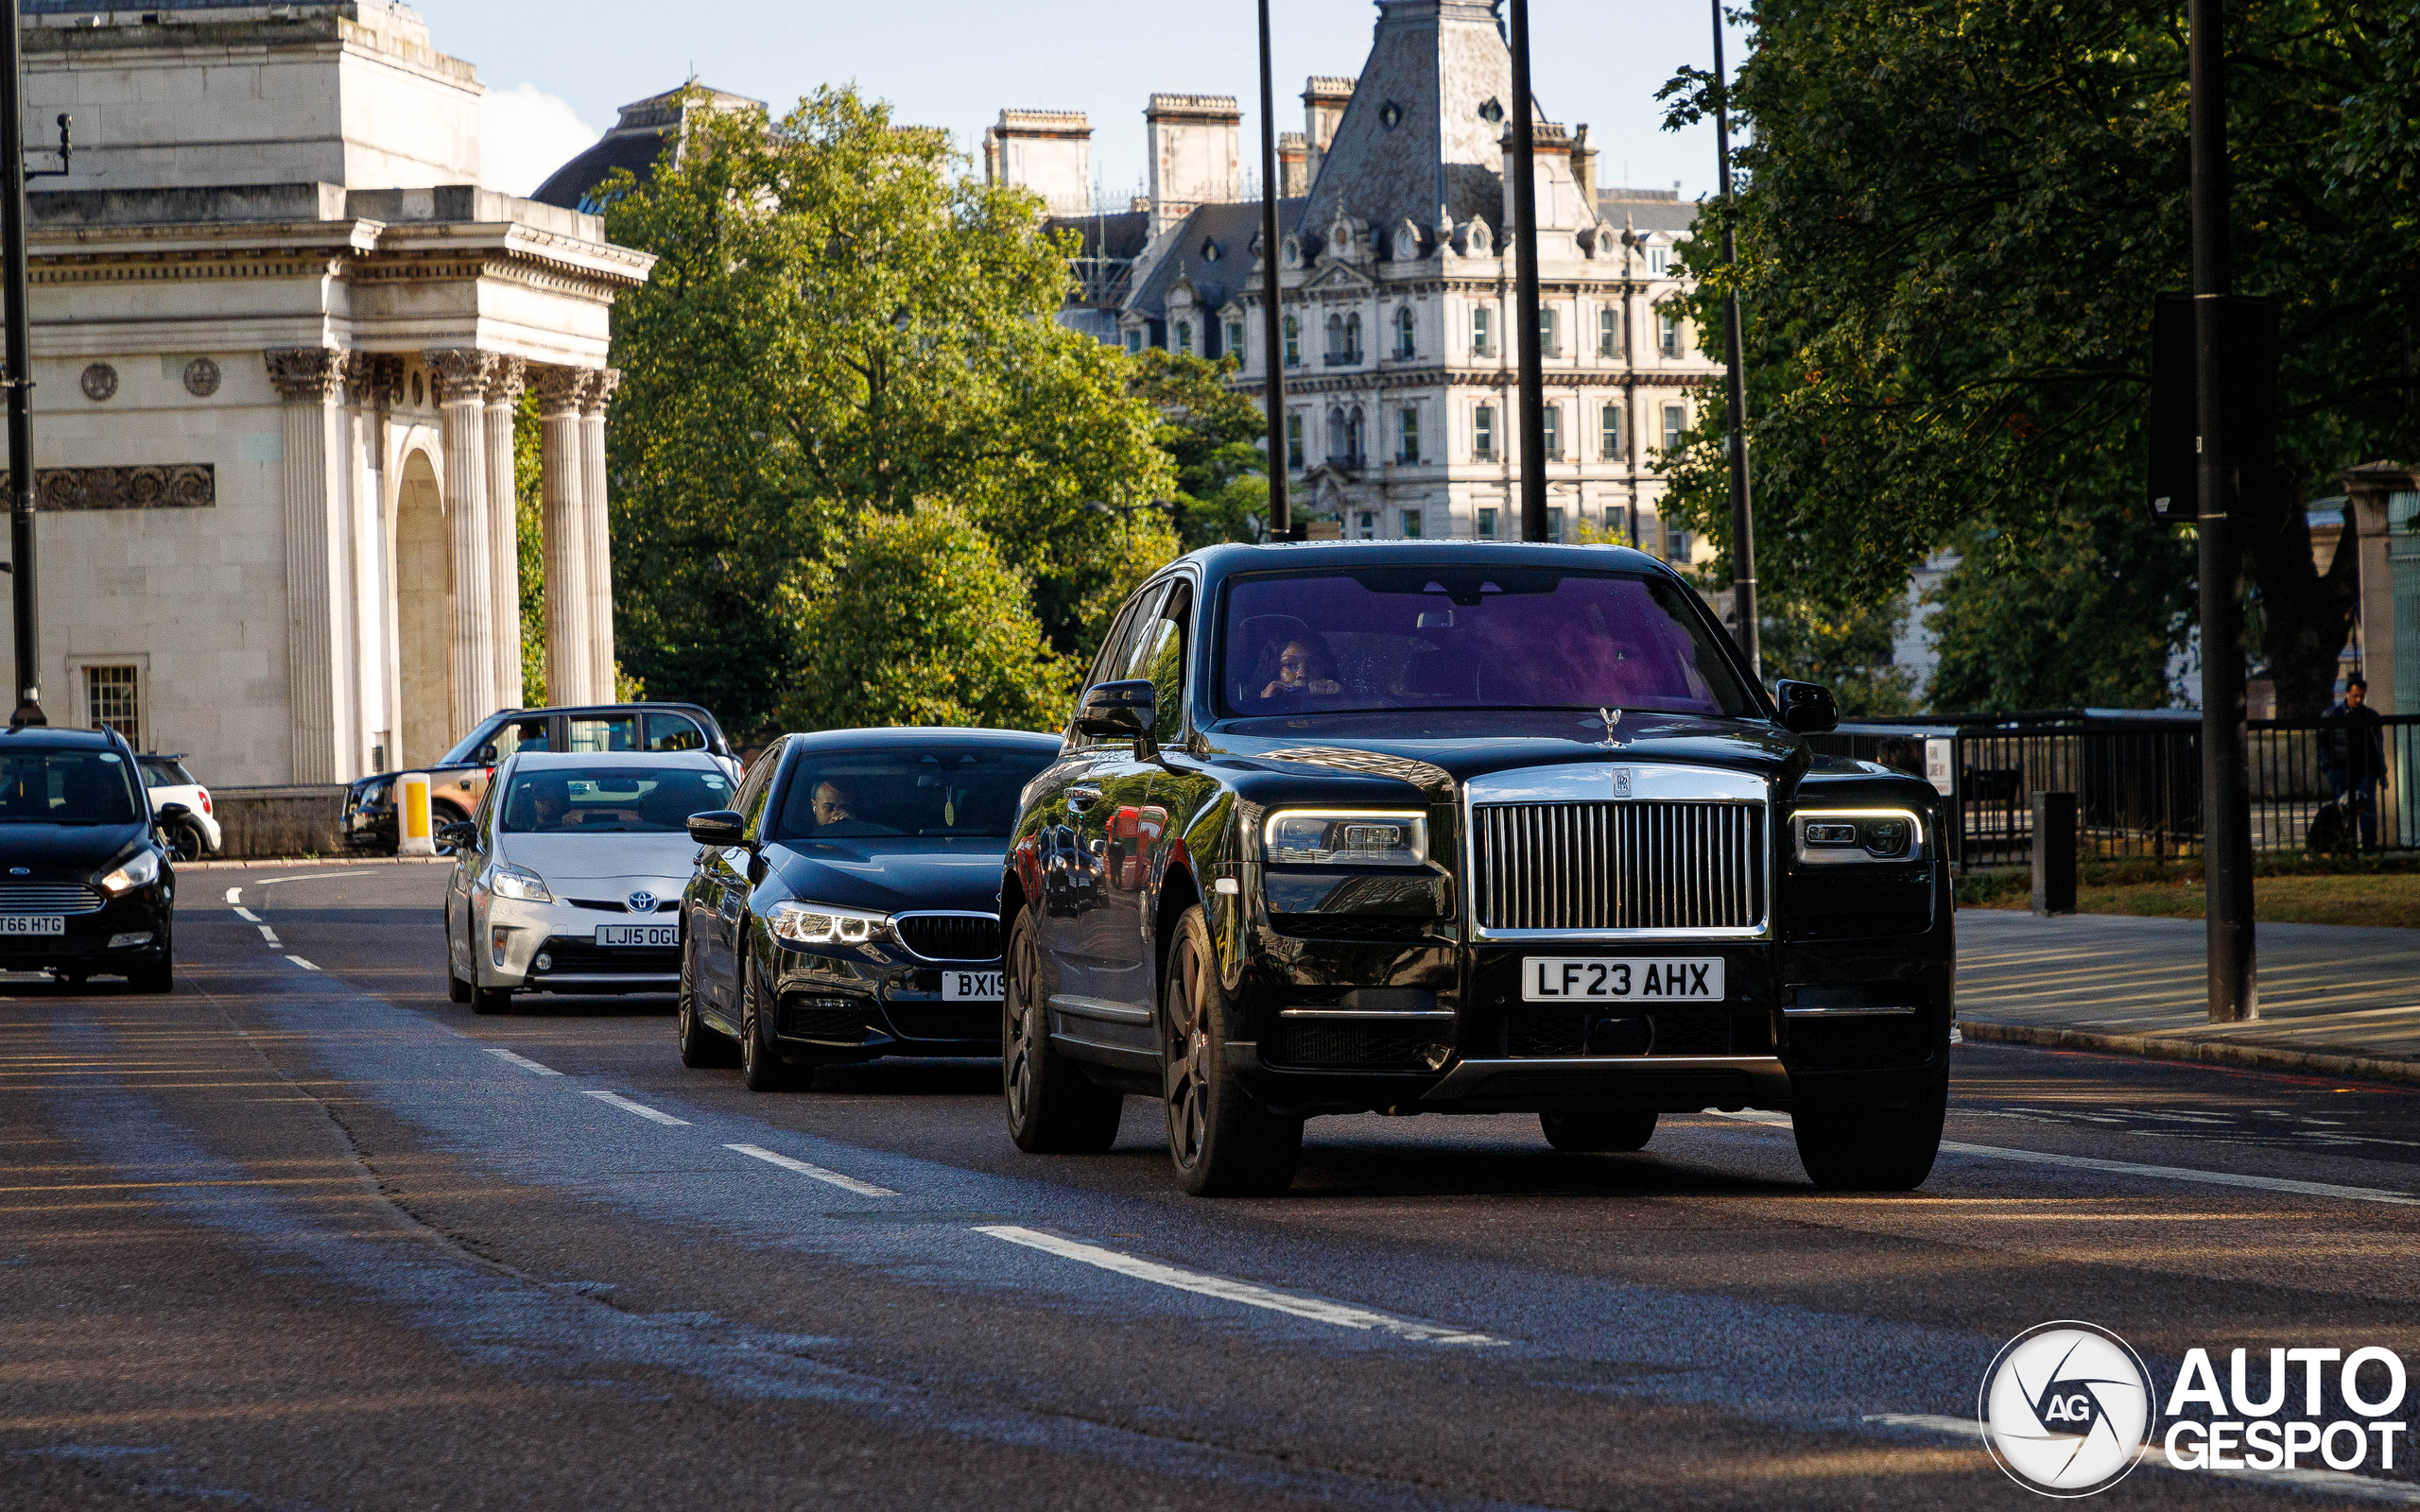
(555, 72)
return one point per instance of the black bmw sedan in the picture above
(85, 878)
(848, 906)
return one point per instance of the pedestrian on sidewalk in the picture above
(2352, 754)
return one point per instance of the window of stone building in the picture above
(114, 700)
(1184, 337)
(1335, 338)
(1673, 425)
(1609, 334)
(1667, 332)
(1235, 338)
(1353, 451)
(1483, 433)
(1353, 337)
(1554, 522)
(1483, 524)
(1293, 342)
(1553, 418)
(1677, 545)
(1408, 433)
(1367, 523)
(1407, 333)
(1546, 345)
(1482, 331)
(1133, 341)
(1609, 436)
(1294, 442)
(1659, 259)
(1412, 525)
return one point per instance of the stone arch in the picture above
(425, 620)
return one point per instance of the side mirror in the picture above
(719, 830)
(461, 834)
(1806, 707)
(484, 756)
(1120, 709)
(169, 812)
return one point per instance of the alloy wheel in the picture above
(1186, 1058)
(1023, 1029)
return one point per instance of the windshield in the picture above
(65, 787)
(1470, 637)
(959, 793)
(610, 799)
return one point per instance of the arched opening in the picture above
(423, 591)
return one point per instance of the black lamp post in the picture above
(1743, 524)
(1524, 296)
(1272, 315)
(20, 371)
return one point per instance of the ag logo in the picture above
(2066, 1408)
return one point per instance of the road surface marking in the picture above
(234, 895)
(2164, 1172)
(863, 1189)
(522, 1061)
(248, 916)
(2326, 1482)
(1319, 1310)
(268, 934)
(641, 1108)
(300, 962)
(317, 876)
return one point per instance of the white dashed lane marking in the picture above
(1318, 1309)
(863, 1189)
(248, 916)
(234, 895)
(268, 934)
(522, 1061)
(300, 962)
(652, 1115)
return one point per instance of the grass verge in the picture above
(2383, 891)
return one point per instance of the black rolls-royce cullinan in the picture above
(847, 907)
(1439, 826)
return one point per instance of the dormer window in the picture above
(1184, 337)
(1134, 342)
(1211, 251)
(1657, 259)
(1235, 338)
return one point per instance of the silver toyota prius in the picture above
(569, 879)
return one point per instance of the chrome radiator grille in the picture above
(34, 898)
(1646, 865)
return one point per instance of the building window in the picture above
(1667, 332)
(1352, 448)
(1610, 433)
(1656, 259)
(1134, 342)
(1554, 522)
(1483, 433)
(1545, 334)
(1677, 546)
(1484, 524)
(1412, 525)
(1609, 334)
(1482, 331)
(1294, 442)
(1671, 427)
(1235, 338)
(1407, 333)
(1367, 523)
(1353, 337)
(1408, 433)
(1293, 342)
(1184, 337)
(114, 700)
(1553, 419)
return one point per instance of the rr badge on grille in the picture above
(1621, 781)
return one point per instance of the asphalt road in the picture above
(307, 1235)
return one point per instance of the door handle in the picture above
(1081, 798)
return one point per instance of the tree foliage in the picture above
(1849, 651)
(1954, 220)
(914, 619)
(841, 323)
(1209, 432)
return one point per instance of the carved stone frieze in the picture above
(304, 374)
(175, 485)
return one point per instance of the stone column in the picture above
(561, 516)
(317, 686)
(596, 396)
(504, 526)
(461, 379)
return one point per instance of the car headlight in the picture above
(140, 873)
(1839, 836)
(823, 924)
(1345, 838)
(518, 882)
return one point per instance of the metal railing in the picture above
(2137, 780)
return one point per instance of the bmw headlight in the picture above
(1841, 836)
(518, 882)
(823, 924)
(1345, 838)
(140, 873)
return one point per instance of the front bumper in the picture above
(513, 936)
(125, 933)
(861, 1003)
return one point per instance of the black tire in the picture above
(1599, 1131)
(1222, 1142)
(490, 999)
(440, 815)
(1053, 1108)
(700, 1047)
(187, 842)
(1873, 1149)
(457, 990)
(159, 978)
(761, 1065)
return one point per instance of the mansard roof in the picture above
(1217, 277)
(636, 143)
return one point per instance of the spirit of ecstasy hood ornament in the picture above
(1610, 717)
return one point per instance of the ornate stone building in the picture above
(279, 337)
(1399, 360)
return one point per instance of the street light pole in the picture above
(2226, 837)
(1743, 521)
(20, 372)
(1525, 300)
(1272, 315)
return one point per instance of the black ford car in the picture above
(1462, 826)
(86, 880)
(848, 907)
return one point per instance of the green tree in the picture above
(915, 619)
(839, 322)
(1954, 219)
(1848, 651)
(1209, 433)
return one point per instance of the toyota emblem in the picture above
(642, 903)
(21, 871)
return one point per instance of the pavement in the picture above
(2334, 1000)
